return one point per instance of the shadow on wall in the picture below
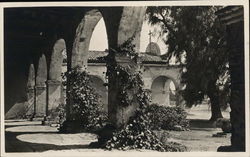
(15, 84)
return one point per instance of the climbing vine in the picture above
(136, 134)
(86, 110)
(129, 77)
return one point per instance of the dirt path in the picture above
(27, 136)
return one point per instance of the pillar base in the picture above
(40, 105)
(117, 113)
(54, 100)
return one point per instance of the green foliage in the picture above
(128, 48)
(85, 109)
(136, 134)
(126, 77)
(167, 118)
(61, 113)
(127, 82)
(196, 38)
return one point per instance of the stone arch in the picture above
(121, 24)
(40, 88)
(97, 77)
(83, 35)
(125, 24)
(98, 84)
(175, 81)
(131, 24)
(160, 88)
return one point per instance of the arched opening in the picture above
(120, 28)
(163, 91)
(101, 90)
(40, 89)
(98, 44)
(99, 39)
(83, 35)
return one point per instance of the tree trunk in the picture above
(215, 106)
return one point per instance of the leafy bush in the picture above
(86, 110)
(136, 134)
(61, 114)
(167, 118)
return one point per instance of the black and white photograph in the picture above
(124, 78)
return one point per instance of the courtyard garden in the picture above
(198, 121)
(31, 136)
(151, 128)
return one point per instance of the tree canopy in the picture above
(196, 38)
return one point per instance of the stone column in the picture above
(118, 114)
(41, 96)
(54, 97)
(233, 19)
(237, 102)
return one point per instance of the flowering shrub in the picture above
(167, 118)
(86, 109)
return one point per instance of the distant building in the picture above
(157, 75)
